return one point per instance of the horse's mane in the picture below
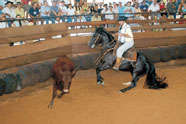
(101, 30)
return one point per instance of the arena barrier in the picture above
(158, 46)
(41, 72)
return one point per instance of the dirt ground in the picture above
(88, 103)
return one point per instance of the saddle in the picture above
(130, 54)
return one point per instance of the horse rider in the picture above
(125, 37)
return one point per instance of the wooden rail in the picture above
(29, 53)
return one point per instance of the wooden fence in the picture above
(12, 56)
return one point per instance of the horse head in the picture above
(100, 36)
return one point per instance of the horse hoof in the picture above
(98, 83)
(126, 84)
(50, 106)
(120, 92)
(102, 83)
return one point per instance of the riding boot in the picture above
(117, 64)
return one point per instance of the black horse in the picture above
(138, 69)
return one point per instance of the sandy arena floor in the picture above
(88, 103)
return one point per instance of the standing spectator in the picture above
(162, 8)
(171, 10)
(78, 12)
(115, 10)
(9, 12)
(155, 8)
(85, 10)
(45, 12)
(19, 10)
(55, 11)
(63, 10)
(121, 9)
(149, 2)
(129, 10)
(183, 11)
(110, 15)
(3, 24)
(70, 13)
(137, 10)
(34, 12)
(27, 6)
(96, 17)
(2, 4)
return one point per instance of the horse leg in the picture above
(136, 72)
(98, 70)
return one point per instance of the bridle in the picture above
(97, 39)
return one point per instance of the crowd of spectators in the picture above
(37, 13)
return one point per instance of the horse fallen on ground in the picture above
(138, 69)
(63, 71)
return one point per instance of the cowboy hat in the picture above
(122, 18)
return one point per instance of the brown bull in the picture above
(63, 71)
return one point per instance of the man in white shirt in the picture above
(64, 10)
(9, 12)
(125, 37)
(70, 12)
(155, 8)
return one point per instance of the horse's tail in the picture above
(153, 81)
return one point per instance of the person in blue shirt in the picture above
(129, 10)
(45, 12)
(121, 9)
(144, 8)
(34, 12)
(55, 11)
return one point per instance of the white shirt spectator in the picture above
(3, 25)
(115, 10)
(110, 16)
(70, 11)
(2, 2)
(63, 9)
(154, 8)
(10, 11)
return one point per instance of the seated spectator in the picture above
(155, 9)
(9, 12)
(129, 10)
(64, 10)
(183, 11)
(103, 12)
(3, 24)
(171, 10)
(162, 9)
(70, 13)
(27, 5)
(96, 17)
(17, 24)
(55, 11)
(45, 12)
(19, 10)
(34, 12)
